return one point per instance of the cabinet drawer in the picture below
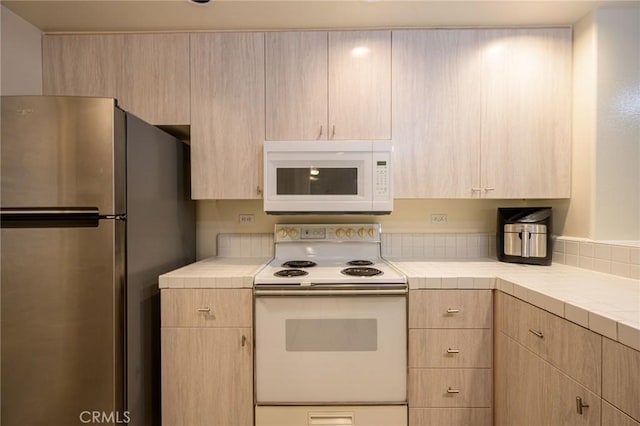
(450, 417)
(573, 349)
(450, 309)
(206, 308)
(621, 377)
(439, 388)
(462, 348)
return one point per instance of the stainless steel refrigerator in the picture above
(95, 205)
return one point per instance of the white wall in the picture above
(617, 164)
(605, 202)
(20, 55)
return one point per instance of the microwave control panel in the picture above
(381, 177)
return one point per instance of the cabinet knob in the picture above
(580, 405)
(451, 390)
(244, 341)
(258, 190)
(453, 311)
(320, 134)
(333, 131)
(205, 310)
(453, 351)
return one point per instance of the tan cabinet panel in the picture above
(206, 308)
(450, 388)
(154, 84)
(207, 377)
(81, 65)
(621, 377)
(439, 348)
(360, 85)
(450, 309)
(611, 416)
(526, 113)
(296, 85)
(436, 113)
(227, 115)
(450, 416)
(519, 385)
(573, 349)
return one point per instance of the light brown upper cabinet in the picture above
(81, 65)
(148, 74)
(482, 113)
(334, 85)
(227, 115)
(155, 77)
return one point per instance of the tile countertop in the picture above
(215, 272)
(607, 304)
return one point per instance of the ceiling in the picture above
(182, 15)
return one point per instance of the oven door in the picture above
(331, 349)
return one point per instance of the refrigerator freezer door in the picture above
(62, 338)
(61, 152)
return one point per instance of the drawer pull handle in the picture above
(453, 351)
(580, 405)
(453, 311)
(450, 390)
(537, 333)
(204, 310)
(244, 341)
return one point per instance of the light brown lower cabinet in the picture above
(207, 357)
(531, 392)
(611, 416)
(621, 377)
(450, 416)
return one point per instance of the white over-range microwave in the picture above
(328, 177)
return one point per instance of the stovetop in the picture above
(307, 255)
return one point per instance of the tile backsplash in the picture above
(438, 246)
(616, 259)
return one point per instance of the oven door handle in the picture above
(331, 292)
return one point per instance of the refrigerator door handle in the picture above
(45, 217)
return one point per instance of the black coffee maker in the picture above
(523, 235)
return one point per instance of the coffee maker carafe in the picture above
(523, 235)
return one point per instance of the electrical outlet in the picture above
(246, 219)
(439, 219)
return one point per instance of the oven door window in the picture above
(331, 335)
(317, 181)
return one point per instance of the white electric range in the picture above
(330, 330)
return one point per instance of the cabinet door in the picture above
(227, 115)
(560, 393)
(296, 85)
(86, 65)
(519, 385)
(526, 121)
(360, 85)
(155, 77)
(436, 113)
(207, 376)
(621, 377)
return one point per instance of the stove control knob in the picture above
(372, 233)
(350, 232)
(293, 233)
(282, 233)
(362, 233)
(340, 233)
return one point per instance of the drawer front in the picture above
(206, 308)
(450, 309)
(621, 377)
(573, 349)
(450, 417)
(443, 348)
(440, 388)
